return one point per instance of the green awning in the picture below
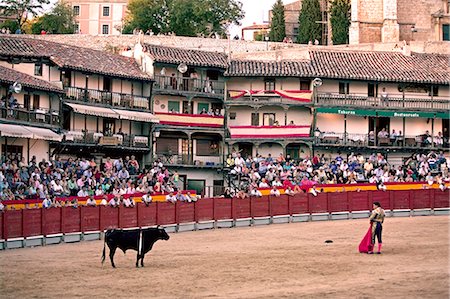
(384, 113)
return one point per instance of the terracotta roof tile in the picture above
(10, 76)
(66, 56)
(174, 55)
(255, 68)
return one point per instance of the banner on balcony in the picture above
(296, 95)
(236, 94)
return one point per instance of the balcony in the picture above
(97, 138)
(40, 115)
(171, 159)
(269, 132)
(285, 97)
(189, 85)
(190, 120)
(107, 98)
(364, 140)
(351, 100)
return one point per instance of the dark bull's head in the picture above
(163, 235)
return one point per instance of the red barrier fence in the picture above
(35, 222)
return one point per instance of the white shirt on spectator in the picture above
(255, 192)
(147, 198)
(275, 192)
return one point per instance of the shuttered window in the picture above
(167, 146)
(207, 147)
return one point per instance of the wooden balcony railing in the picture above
(40, 115)
(389, 102)
(108, 98)
(189, 85)
(97, 138)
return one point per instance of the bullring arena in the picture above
(274, 261)
(267, 247)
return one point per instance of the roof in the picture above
(256, 27)
(381, 66)
(190, 57)
(10, 76)
(352, 65)
(72, 57)
(254, 68)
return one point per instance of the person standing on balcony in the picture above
(384, 97)
(173, 82)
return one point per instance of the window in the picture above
(434, 90)
(36, 101)
(76, 10)
(202, 107)
(305, 84)
(344, 87)
(106, 11)
(166, 145)
(109, 126)
(268, 119)
(255, 119)
(372, 90)
(38, 69)
(26, 101)
(105, 29)
(107, 84)
(269, 85)
(15, 152)
(77, 27)
(207, 147)
(233, 115)
(173, 106)
(446, 32)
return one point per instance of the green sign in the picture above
(384, 113)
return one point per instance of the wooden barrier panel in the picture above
(109, 218)
(383, 197)
(128, 217)
(204, 209)
(166, 213)
(90, 219)
(402, 199)
(279, 205)
(147, 214)
(51, 221)
(441, 198)
(71, 220)
(421, 199)
(260, 206)
(222, 208)
(13, 224)
(359, 201)
(319, 203)
(241, 208)
(338, 202)
(298, 204)
(185, 212)
(1, 227)
(32, 222)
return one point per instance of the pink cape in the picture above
(366, 243)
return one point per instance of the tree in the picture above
(60, 20)
(277, 26)
(309, 20)
(22, 8)
(183, 17)
(340, 21)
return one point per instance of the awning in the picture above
(136, 115)
(44, 134)
(7, 130)
(93, 110)
(382, 113)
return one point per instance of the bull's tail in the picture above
(104, 249)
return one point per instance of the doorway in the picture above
(376, 124)
(245, 149)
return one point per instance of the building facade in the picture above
(98, 17)
(375, 21)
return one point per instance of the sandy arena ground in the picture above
(275, 261)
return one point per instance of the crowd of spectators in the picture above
(253, 173)
(80, 177)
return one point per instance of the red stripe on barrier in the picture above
(441, 198)
(185, 212)
(279, 205)
(109, 217)
(71, 219)
(299, 204)
(204, 209)
(147, 215)
(222, 208)
(51, 221)
(32, 219)
(166, 213)
(338, 202)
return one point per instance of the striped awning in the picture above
(17, 131)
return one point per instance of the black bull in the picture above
(141, 240)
